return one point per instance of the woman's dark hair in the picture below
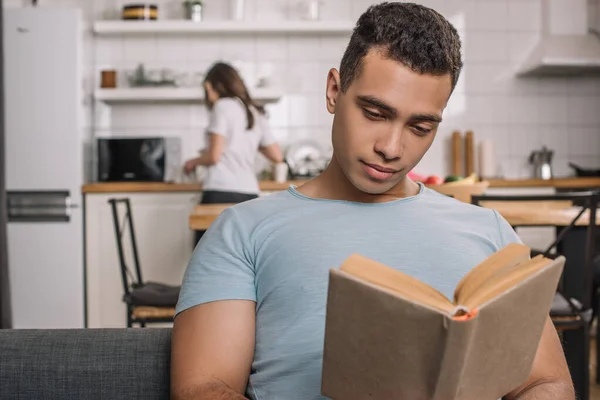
(227, 82)
(411, 34)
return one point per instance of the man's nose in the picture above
(390, 147)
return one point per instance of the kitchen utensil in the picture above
(193, 10)
(142, 77)
(306, 159)
(469, 154)
(457, 161)
(140, 11)
(542, 163)
(579, 171)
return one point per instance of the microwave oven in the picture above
(141, 159)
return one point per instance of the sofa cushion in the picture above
(85, 364)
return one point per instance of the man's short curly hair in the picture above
(414, 35)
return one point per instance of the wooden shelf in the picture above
(189, 95)
(222, 27)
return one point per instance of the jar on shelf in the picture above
(193, 10)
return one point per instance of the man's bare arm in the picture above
(550, 378)
(212, 348)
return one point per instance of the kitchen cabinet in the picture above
(164, 242)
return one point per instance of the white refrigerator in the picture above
(44, 166)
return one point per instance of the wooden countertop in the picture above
(550, 213)
(574, 182)
(138, 187)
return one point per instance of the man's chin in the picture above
(375, 187)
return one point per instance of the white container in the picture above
(280, 172)
(487, 160)
(313, 10)
(237, 9)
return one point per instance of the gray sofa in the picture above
(85, 364)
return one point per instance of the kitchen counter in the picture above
(139, 187)
(569, 182)
(149, 187)
(547, 213)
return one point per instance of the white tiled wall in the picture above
(517, 114)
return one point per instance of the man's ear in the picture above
(333, 89)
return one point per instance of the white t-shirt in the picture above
(235, 170)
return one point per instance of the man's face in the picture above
(385, 122)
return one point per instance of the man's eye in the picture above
(421, 131)
(373, 115)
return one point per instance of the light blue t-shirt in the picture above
(277, 251)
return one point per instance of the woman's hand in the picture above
(190, 166)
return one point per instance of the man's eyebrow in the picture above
(436, 118)
(426, 118)
(374, 101)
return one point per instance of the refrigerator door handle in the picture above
(39, 206)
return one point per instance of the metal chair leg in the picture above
(598, 338)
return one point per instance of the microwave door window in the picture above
(152, 155)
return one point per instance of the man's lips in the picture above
(378, 172)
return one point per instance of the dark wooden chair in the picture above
(147, 302)
(570, 314)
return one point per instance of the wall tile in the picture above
(273, 9)
(583, 111)
(140, 49)
(552, 110)
(520, 45)
(272, 48)
(303, 48)
(486, 16)
(523, 110)
(485, 47)
(524, 15)
(336, 10)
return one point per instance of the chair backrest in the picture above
(587, 201)
(121, 226)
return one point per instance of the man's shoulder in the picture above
(451, 210)
(265, 206)
(436, 198)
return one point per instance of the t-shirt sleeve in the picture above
(217, 122)
(507, 233)
(221, 267)
(266, 138)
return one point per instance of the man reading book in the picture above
(251, 314)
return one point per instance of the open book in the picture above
(390, 336)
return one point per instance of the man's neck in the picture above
(333, 184)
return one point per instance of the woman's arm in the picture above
(210, 156)
(272, 152)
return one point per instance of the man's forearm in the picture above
(208, 391)
(555, 390)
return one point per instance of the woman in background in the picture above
(237, 131)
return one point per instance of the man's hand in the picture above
(550, 378)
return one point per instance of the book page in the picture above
(404, 285)
(505, 258)
(499, 284)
